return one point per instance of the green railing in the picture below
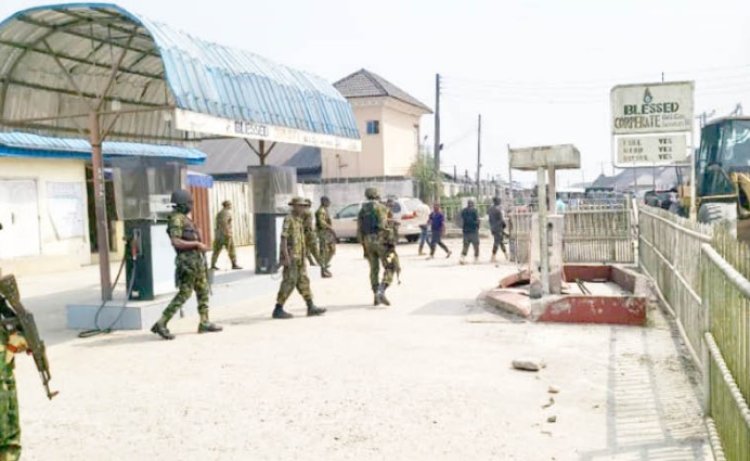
(724, 274)
(701, 275)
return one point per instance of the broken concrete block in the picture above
(528, 364)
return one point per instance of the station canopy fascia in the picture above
(101, 72)
(14, 144)
(152, 83)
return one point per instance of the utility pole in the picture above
(479, 155)
(437, 123)
(510, 179)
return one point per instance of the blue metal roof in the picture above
(162, 69)
(31, 145)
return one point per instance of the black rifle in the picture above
(17, 318)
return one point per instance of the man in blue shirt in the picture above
(470, 227)
(437, 225)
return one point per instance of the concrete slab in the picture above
(115, 315)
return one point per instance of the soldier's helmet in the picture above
(298, 201)
(496, 200)
(181, 197)
(324, 200)
(372, 193)
(226, 203)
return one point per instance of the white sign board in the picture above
(652, 108)
(209, 124)
(652, 150)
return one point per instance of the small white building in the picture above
(44, 206)
(388, 120)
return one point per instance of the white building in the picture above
(388, 120)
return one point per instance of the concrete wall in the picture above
(55, 253)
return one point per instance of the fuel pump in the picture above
(143, 187)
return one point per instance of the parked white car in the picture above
(410, 212)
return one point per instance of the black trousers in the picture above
(437, 239)
(471, 238)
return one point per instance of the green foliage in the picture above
(428, 180)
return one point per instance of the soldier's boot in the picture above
(325, 273)
(476, 259)
(160, 328)
(280, 313)
(313, 310)
(376, 297)
(462, 261)
(493, 259)
(214, 268)
(205, 326)
(236, 267)
(381, 294)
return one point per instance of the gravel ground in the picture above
(428, 378)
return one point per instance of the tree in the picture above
(428, 179)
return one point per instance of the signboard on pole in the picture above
(650, 123)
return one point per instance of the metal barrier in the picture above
(590, 235)
(670, 254)
(726, 301)
(701, 275)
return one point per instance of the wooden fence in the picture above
(701, 275)
(590, 235)
(240, 194)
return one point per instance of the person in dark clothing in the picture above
(470, 227)
(497, 227)
(437, 226)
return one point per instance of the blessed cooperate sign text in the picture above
(650, 123)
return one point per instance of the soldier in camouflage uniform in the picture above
(191, 268)
(311, 241)
(326, 236)
(10, 428)
(293, 250)
(374, 232)
(223, 236)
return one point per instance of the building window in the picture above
(373, 127)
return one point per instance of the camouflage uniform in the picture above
(10, 428)
(190, 269)
(295, 271)
(326, 238)
(311, 244)
(374, 232)
(223, 237)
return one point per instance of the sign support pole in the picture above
(544, 250)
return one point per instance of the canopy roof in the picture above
(159, 84)
(31, 145)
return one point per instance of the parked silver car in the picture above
(410, 212)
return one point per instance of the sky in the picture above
(539, 71)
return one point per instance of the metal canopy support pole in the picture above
(100, 207)
(544, 250)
